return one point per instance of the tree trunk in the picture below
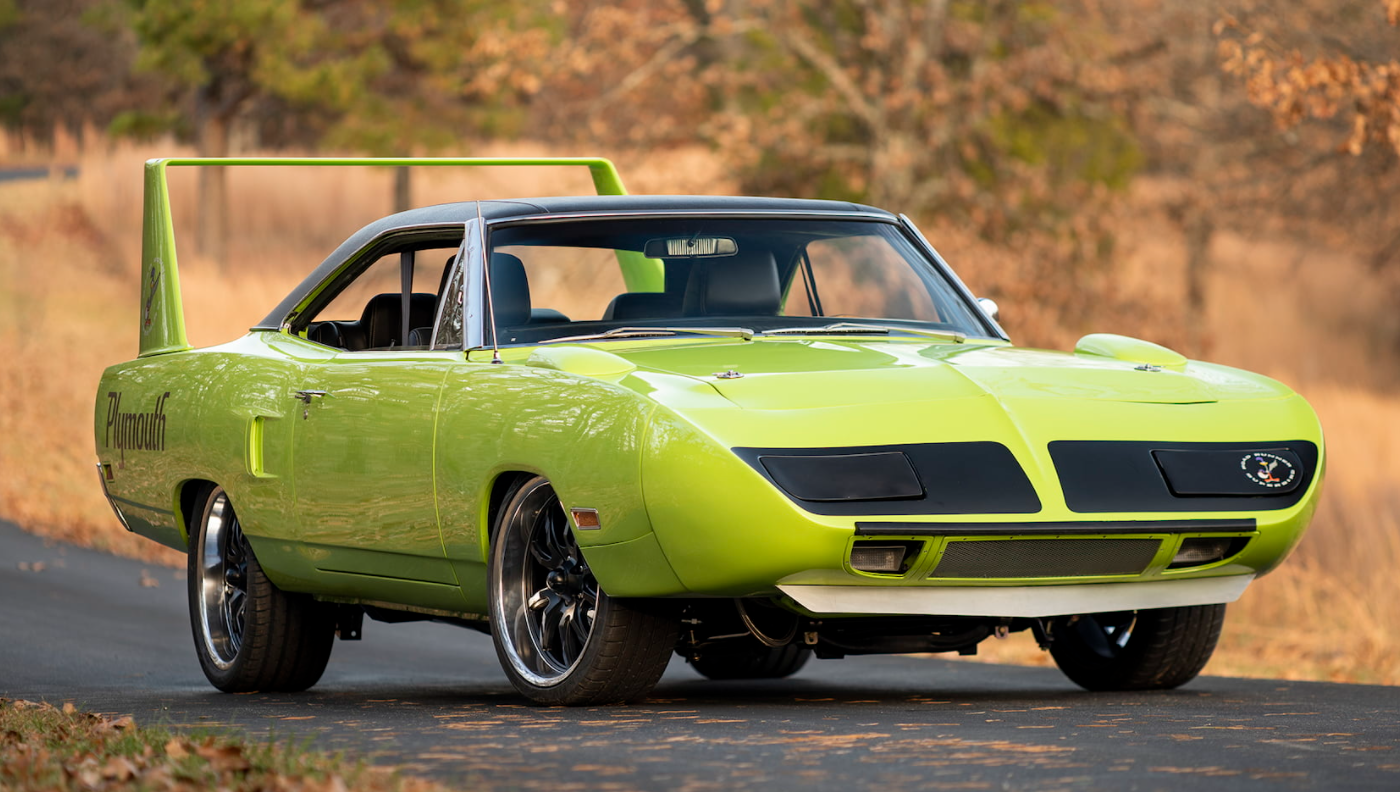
(403, 189)
(1199, 228)
(213, 192)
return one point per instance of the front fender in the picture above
(584, 434)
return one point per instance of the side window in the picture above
(452, 309)
(860, 276)
(367, 310)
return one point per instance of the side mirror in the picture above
(990, 307)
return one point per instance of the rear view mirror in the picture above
(691, 247)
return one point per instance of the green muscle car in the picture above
(746, 430)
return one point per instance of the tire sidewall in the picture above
(221, 678)
(1167, 648)
(564, 687)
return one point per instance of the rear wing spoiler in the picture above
(162, 310)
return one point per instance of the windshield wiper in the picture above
(655, 332)
(856, 328)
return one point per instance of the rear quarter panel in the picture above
(221, 414)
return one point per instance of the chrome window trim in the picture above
(474, 314)
(952, 276)
(543, 218)
(473, 330)
(350, 261)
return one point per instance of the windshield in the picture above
(574, 280)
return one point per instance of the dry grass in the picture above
(68, 284)
(43, 747)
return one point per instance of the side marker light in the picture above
(586, 519)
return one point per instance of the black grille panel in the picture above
(1046, 558)
(1124, 476)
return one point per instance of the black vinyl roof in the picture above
(449, 215)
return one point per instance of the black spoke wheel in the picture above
(249, 635)
(559, 637)
(1136, 650)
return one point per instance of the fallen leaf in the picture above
(125, 722)
(147, 581)
(224, 757)
(119, 768)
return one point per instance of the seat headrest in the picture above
(382, 319)
(741, 285)
(510, 290)
(643, 305)
(446, 273)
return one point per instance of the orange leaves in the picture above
(175, 749)
(1295, 89)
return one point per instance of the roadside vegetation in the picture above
(43, 747)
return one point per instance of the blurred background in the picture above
(1218, 177)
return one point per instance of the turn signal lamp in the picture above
(1201, 550)
(877, 558)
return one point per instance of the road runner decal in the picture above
(1268, 470)
(136, 431)
(150, 297)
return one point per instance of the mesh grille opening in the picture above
(1046, 558)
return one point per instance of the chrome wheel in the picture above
(546, 599)
(223, 581)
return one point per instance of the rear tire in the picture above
(560, 638)
(249, 635)
(746, 658)
(1143, 650)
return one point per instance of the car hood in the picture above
(818, 373)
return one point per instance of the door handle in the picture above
(305, 397)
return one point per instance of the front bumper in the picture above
(1017, 601)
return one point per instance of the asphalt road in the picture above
(84, 628)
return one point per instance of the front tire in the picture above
(560, 638)
(249, 634)
(746, 658)
(1143, 650)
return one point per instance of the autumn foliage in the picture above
(1295, 88)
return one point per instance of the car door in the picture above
(363, 455)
